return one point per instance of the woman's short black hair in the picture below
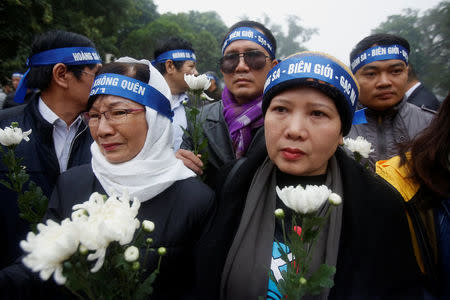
(40, 77)
(137, 71)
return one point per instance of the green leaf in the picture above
(321, 279)
(6, 183)
(145, 288)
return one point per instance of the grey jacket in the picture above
(387, 129)
(220, 147)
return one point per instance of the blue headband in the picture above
(248, 33)
(67, 56)
(175, 55)
(212, 77)
(133, 89)
(379, 53)
(317, 66)
(17, 75)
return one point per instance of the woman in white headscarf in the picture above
(129, 115)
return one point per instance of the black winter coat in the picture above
(375, 259)
(182, 214)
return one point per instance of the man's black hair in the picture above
(379, 39)
(40, 77)
(255, 25)
(169, 44)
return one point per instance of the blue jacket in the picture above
(42, 165)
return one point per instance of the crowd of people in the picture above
(274, 123)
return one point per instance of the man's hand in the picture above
(190, 160)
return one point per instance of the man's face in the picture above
(179, 85)
(244, 82)
(15, 81)
(79, 88)
(382, 83)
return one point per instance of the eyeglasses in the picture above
(114, 116)
(255, 59)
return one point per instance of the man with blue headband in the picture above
(174, 58)
(380, 65)
(62, 65)
(233, 124)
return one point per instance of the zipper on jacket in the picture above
(381, 139)
(73, 142)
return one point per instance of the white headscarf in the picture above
(155, 168)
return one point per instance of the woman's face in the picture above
(303, 130)
(119, 139)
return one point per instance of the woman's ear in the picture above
(60, 73)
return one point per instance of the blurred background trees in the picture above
(120, 27)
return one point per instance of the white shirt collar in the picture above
(411, 90)
(178, 99)
(46, 112)
(50, 116)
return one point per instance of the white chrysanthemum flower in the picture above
(148, 226)
(359, 145)
(13, 136)
(131, 254)
(335, 199)
(48, 250)
(197, 83)
(304, 200)
(107, 221)
(79, 215)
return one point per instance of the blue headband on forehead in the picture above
(67, 56)
(250, 34)
(175, 55)
(17, 75)
(212, 77)
(379, 53)
(314, 65)
(133, 89)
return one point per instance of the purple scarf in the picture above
(241, 120)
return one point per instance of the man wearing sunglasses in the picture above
(175, 57)
(230, 125)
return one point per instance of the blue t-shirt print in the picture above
(276, 266)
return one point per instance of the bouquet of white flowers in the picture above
(32, 203)
(95, 253)
(299, 241)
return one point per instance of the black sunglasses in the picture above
(255, 59)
